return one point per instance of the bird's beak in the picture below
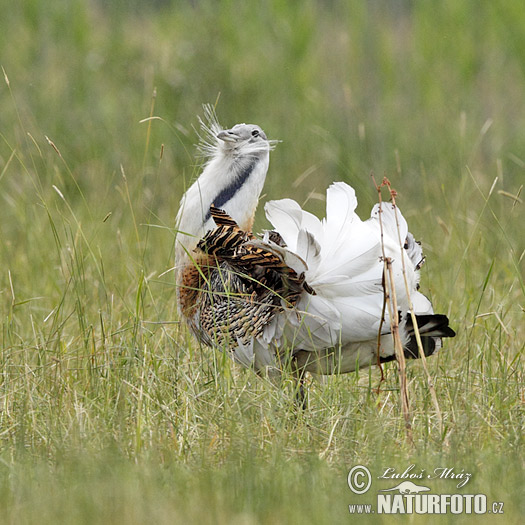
(228, 136)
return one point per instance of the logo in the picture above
(409, 497)
(407, 487)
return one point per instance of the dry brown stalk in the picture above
(391, 302)
(430, 381)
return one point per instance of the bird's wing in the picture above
(263, 261)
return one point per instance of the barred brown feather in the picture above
(236, 287)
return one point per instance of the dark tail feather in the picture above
(432, 327)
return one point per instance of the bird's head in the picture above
(243, 140)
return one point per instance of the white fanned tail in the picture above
(344, 257)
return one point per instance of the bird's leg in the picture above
(301, 394)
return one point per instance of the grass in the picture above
(109, 411)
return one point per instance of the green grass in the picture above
(109, 410)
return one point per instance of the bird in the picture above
(311, 292)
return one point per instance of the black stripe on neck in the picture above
(229, 192)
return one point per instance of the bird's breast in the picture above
(190, 284)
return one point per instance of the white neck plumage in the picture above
(229, 181)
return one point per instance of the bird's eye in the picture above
(255, 133)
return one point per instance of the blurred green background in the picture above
(349, 87)
(105, 400)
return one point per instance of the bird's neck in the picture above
(229, 183)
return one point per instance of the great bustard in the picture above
(310, 290)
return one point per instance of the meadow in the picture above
(110, 412)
